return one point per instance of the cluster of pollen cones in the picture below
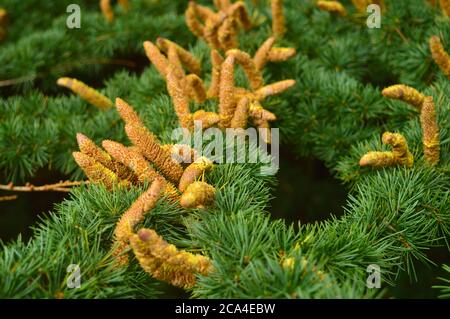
(237, 106)
(147, 161)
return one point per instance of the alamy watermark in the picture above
(73, 21)
(374, 278)
(74, 278)
(231, 145)
(374, 19)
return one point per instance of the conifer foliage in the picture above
(372, 103)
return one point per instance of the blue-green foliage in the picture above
(335, 112)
